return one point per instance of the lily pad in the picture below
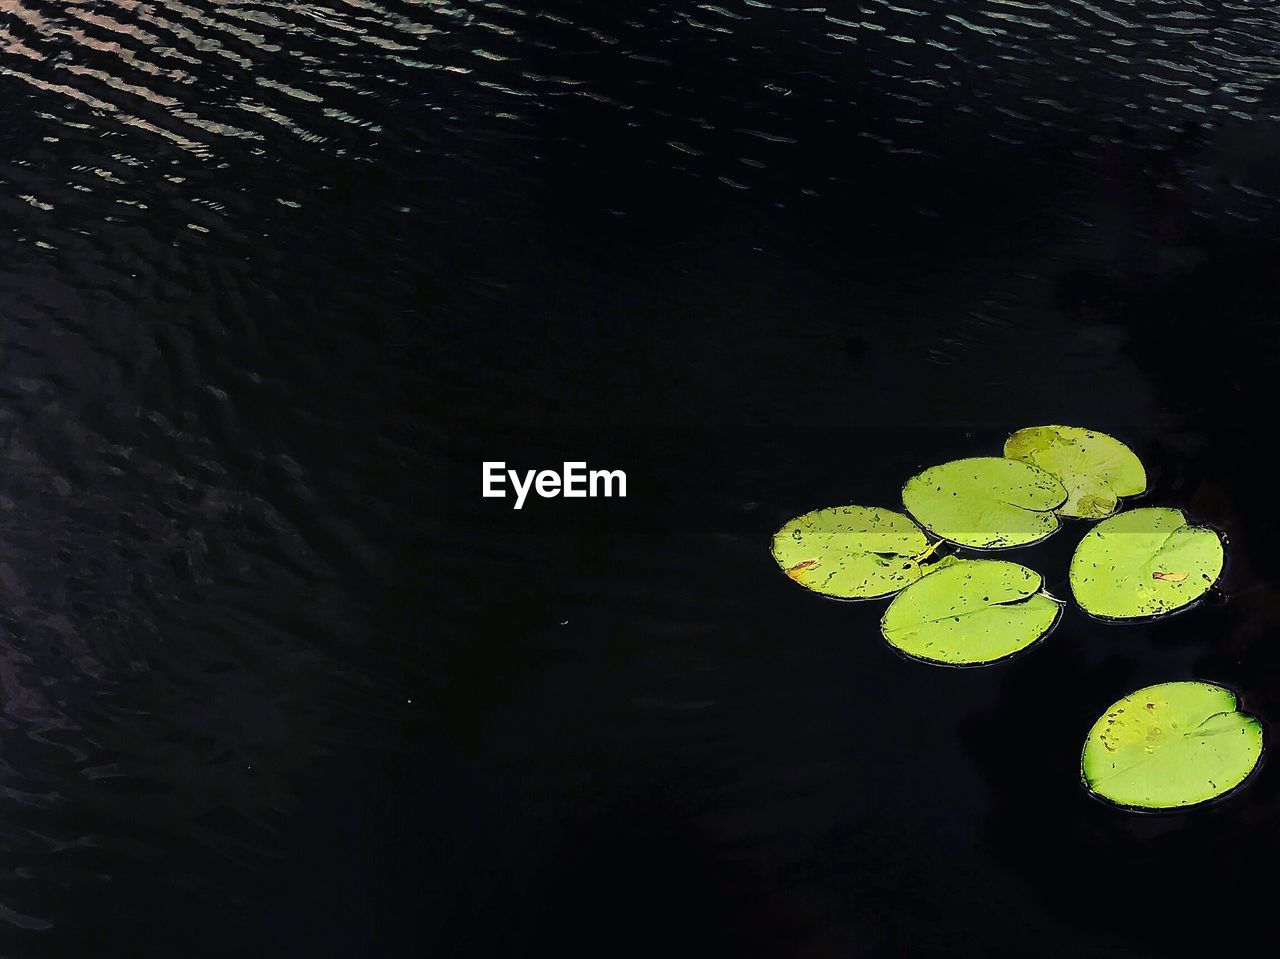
(852, 552)
(1144, 563)
(1095, 468)
(1170, 746)
(987, 502)
(970, 613)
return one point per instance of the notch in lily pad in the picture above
(971, 612)
(1145, 563)
(1171, 746)
(986, 502)
(1096, 469)
(852, 552)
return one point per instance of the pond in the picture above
(278, 279)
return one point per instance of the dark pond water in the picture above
(275, 278)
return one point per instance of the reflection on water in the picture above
(275, 276)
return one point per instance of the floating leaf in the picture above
(971, 612)
(1095, 468)
(852, 552)
(987, 502)
(1170, 746)
(1143, 563)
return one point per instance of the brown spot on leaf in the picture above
(798, 570)
(1170, 577)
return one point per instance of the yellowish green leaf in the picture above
(987, 502)
(1170, 746)
(1095, 468)
(971, 612)
(852, 552)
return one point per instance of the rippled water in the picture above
(276, 277)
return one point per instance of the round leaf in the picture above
(851, 552)
(970, 612)
(1144, 563)
(987, 502)
(1095, 468)
(1170, 746)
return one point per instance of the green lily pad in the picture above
(987, 502)
(1095, 468)
(970, 613)
(852, 552)
(1144, 563)
(1169, 746)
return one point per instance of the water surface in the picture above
(276, 277)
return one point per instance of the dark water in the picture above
(276, 277)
